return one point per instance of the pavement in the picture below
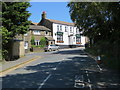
(11, 65)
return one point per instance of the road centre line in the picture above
(43, 83)
(58, 64)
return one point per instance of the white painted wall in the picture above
(72, 33)
(83, 40)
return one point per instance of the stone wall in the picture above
(36, 49)
(18, 49)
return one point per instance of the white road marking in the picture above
(82, 60)
(79, 82)
(88, 80)
(90, 87)
(99, 67)
(87, 74)
(54, 68)
(44, 82)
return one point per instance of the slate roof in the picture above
(39, 27)
(61, 22)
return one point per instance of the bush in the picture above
(108, 51)
(32, 40)
(42, 42)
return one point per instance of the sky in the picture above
(54, 10)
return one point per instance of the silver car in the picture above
(51, 47)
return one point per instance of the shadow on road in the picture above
(64, 74)
(62, 77)
(72, 52)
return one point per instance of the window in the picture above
(74, 39)
(60, 38)
(78, 40)
(51, 42)
(57, 27)
(77, 30)
(36, 32)
(26, 45)
(65, 28)
(60, 28)
(46, 32)
(37, 42)
(26, 34)
(70, 29)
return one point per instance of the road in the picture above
(68, 68)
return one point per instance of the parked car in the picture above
(51, 47)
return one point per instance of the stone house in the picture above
(37, 31)
(65, 34)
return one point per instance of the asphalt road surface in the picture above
(68, 68)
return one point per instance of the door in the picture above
(26, 45)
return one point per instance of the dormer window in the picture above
(36, 32)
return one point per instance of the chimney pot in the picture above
(43, 15)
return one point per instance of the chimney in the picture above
(43, 15)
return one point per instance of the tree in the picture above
(100, 22)
(43, 41)
(98, 19)
(32, 40)
(14, 21)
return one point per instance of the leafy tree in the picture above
(32, 40)
(43, 41)
(100, 22)
(14, 21)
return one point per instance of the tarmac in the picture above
(8, 66)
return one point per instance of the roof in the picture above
(50, 38)
(34, 23)
(61, 22)
(39, 27)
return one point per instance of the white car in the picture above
(51, 47)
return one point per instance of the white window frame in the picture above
(36, 32)
(71, 30)
(58, 28)
(37, 42)
(66, 28)
(25, 34)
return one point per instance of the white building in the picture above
(64, 33)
